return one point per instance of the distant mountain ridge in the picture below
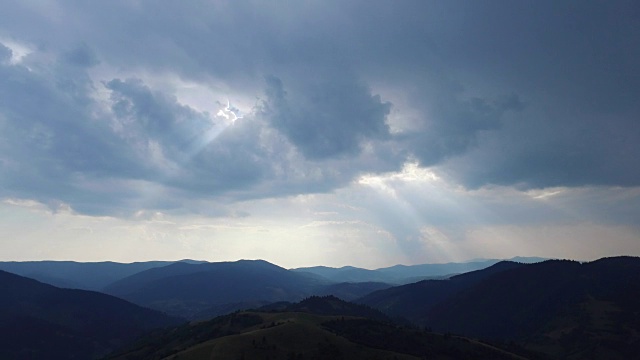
(189, 289)
(99, 275)
(404, 274)
(79, 275)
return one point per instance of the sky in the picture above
(364, 133)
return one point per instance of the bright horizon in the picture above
(319, 132)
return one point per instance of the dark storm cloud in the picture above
(327, 119)
(82, 56)
(194, 150)
(58, 146)
(457, 125)
(247, 157)
(574, 63)
(522, 93)
(155, 115)
(49, 113)
(52, 139)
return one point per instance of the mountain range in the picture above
(99, 275)
(79, 275)
(201, 290)
(405, 274)
(554, 309)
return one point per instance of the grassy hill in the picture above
(304, 334)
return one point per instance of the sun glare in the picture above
(229, 113)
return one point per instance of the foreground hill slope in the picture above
(40, 321)
(190, 289)
(316, 328)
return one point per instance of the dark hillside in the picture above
(40, 321)
(565, 308)
(350, 291)
(509, 304)
(413, 301)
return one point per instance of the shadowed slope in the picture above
(563, 308)
(413, 301)
(41, 321)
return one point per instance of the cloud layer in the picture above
(119, 108)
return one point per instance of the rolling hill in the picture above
(40, 321)
(316, 328)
